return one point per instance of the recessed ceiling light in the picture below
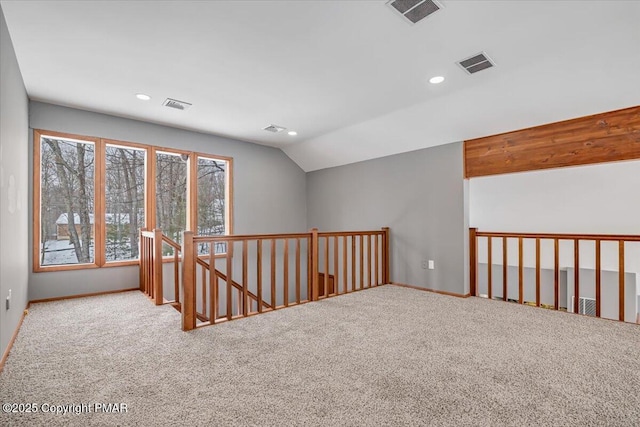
(142, 96)
(435, 80)
(292, 133)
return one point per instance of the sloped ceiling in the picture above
(351, 77)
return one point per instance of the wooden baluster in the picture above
(314, 264)
(188, 282)
(345, 266)
(259, 274)
(229, 280)
(353, 262)
(149, 284)
(386, 276)
(326, 267)
(273, 274)
(176, 274)
(576, 275)
(146, 265)
(336, 277)
(369, 275)
(298, 271)
(505, 269)
(245, 279)
(556, 274)
(621, 280)
(143, 264)
(520, 272)
(489, 267)
(537, 272)
(204, 289)
(375, 257)
(361, 239)
(213, 285)
(285, 273)
(598, 277)
(141, 260)
(309, 268)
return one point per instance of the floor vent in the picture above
(586, 306)
(415, 10)
(477, 62)
(174, 103)
(274, 128)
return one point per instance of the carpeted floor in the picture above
(382, 357)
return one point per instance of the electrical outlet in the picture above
(432, 264)
(424, 263)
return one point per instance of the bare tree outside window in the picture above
(67, 201)
(80, 199)
(171, 196)
(124, 201)
(211, 201)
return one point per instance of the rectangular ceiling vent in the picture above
(174, 103)
(415, 10)
(477, 62)
(274, 128)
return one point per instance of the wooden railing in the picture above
(204, 315)
(151, 262)
(358, 260)
(619, 243)
(274, 271)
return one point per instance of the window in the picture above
(94, 195)
(67, 182)
(171, 195)
(212, 203)
(124, 201)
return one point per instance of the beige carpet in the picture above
(381, 357)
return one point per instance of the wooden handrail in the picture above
(240, 237)
(556, 238)
(562, 236)
(349, 233)
(171, 243)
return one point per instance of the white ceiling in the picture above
(351, 77)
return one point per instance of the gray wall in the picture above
(420, 195)
(268, 187)
(14, 138)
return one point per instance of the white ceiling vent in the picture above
(415, 10)
(274, 128)
(174, 103)
(477, 62)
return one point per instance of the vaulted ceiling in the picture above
(350, 77)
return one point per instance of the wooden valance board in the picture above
(599, 138)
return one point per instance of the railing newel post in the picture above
(473, 262)
(385, 255)
(157, 266)
(188, 306)
(141, 258)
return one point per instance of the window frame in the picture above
(99, 195)
(103, 191)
